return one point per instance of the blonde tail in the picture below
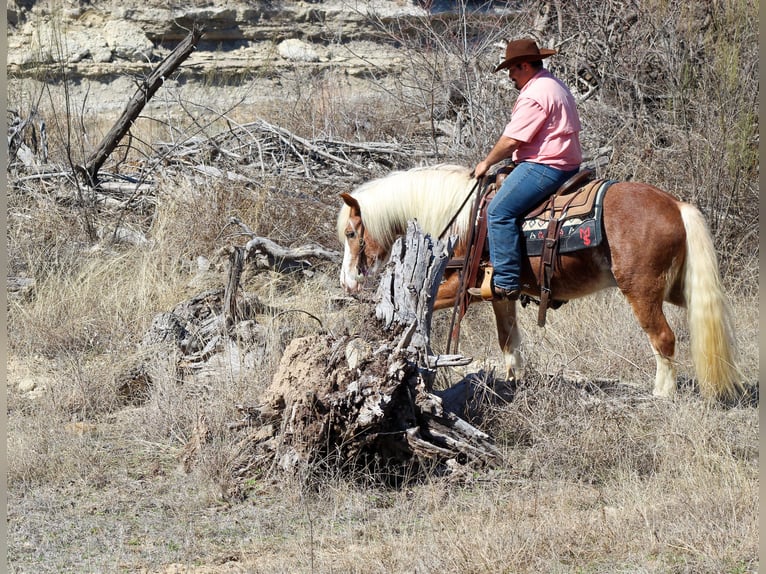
(710, 325)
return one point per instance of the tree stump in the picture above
(366, 401)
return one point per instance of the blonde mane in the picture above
(431, 195)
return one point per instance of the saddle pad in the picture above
(579, 230)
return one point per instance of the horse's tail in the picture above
(710, 323)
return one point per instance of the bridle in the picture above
(361, 265)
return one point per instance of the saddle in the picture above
(567, 221)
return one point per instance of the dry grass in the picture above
(592, 483)
(598, 476)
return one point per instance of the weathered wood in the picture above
(366, 399)
(146, 90)
(363, 400)
(407, 290)
(190, 335)
(277, 252)
(272, 148)
(277, 256)
(236, 263)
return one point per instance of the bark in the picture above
(362, 401)
(365, 401)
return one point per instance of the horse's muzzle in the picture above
(351, 283)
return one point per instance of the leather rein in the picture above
(471, 263)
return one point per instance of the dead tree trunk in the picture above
(408, 289)
(144, 93)
(366, 400)
(210, 323)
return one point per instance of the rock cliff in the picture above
(107, 38)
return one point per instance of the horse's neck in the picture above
(431, 198)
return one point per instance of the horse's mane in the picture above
(431, 195)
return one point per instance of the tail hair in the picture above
(713, 345)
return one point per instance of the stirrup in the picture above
(485, 291)
(488, 292)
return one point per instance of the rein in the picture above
(462, 205)
(459, 307)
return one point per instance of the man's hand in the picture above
(503, 149)
(481, 169)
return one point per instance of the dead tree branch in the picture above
(144, 93)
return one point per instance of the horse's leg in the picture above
(648, 249)
(508, 333)
(647, 307)
(445, 296)
(508, 336)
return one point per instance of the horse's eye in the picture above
(350, 234)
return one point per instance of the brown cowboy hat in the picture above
(525, 50)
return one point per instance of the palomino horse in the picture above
(655, 248)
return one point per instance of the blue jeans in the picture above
(523, 189)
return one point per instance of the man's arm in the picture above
(503, 149)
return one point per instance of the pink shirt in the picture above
(545, 120)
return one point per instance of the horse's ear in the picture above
(350, 201)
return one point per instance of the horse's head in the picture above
(377, 213)
(362, 255)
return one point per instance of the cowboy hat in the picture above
(525, 50)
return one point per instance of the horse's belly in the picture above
(577, 275)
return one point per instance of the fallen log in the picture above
(264, 253)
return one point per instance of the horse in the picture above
(655, 248)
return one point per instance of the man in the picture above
(543, 140)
